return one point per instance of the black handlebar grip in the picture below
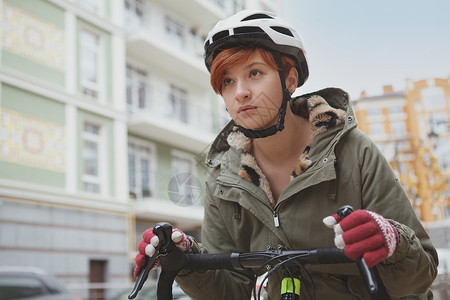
(209, 261)
(332, 255)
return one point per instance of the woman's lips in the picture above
(244, 109)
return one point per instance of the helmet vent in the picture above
(282, 30)
(247, 29)
(219, 35)
(257, 16)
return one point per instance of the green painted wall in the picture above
(33, 104)
(42, 9)
(36, 106)
(32, 68)
(48, 13)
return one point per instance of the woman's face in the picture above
(252, 93)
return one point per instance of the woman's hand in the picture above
(364, 234)
(148, 247)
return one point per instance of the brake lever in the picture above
(365, 271)
(163, 231)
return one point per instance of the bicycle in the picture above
(272, 260)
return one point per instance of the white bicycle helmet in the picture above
(268, 30)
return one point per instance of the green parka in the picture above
(342, 166)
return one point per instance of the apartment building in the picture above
(384, 118)
(429, 100)
(412, 130)
(63, 194)
(105, 113)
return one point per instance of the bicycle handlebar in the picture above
(238, 261)
(246, 260)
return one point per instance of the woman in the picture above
(283, 165)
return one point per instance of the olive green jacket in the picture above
(342, 166)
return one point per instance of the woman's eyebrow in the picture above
(249, 66)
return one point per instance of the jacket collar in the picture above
(325, 109)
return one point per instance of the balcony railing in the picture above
(194, 114)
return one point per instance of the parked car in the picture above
(31, 284)
(148, 292)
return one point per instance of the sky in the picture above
(365, 45)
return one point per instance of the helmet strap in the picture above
(262, 133)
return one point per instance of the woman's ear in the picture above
(291, 80)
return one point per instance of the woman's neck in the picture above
(286, 144)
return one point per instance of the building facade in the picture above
(64, 200)
(412, 130)
(105, 113)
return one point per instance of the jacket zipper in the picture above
(275, 218)
(274, 212)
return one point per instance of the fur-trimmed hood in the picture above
(325, 109)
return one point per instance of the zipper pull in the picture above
(275, 219)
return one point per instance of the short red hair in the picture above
(239, 55)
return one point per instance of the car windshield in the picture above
(19, 287)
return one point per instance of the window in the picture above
(134, 13)
(374, 111)
(90, 65)
(175, 30)
(438, 122)
(141, 172)
(91, 143)
(137, 89)
(179, 103)
(398, 128)
(433, 98)
(182, 163)
(184, 187)
(443, 154)
(376, 129)
(395, 109)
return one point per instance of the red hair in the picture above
(240, 55)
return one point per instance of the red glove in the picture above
(364, 233)
(150, 241)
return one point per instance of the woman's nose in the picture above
(242, 92)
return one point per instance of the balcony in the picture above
(171, 116)
(168, 42)
(169, 131)
(190, 217)
(161, 55)
(210, 11)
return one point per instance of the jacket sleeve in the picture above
(219, 284)
(413, 267)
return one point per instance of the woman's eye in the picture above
(227, 81)
(255, 73)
